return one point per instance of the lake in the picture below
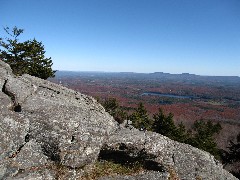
(167, 95)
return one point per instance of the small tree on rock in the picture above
(26, 57)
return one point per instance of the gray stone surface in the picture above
(13, 129)
(43, 174)
(46, 128)
(152, 175)
(41, 121)
(29, 156)
(163, 153)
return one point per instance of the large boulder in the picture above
(162, 154)
(41, 122)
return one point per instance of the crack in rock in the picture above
(27, 138)
(51, 89)
(173, 159)
(16, 106)
(9, 94)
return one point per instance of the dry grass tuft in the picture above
(173, 174)
(107, 168)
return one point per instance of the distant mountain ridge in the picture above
(155, 75)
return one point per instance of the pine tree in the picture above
(111, 105)
(233, 153)
(164, 124)
(202, 137)
(233, 156)
(181, 135)
(26, 57)
(140, 118)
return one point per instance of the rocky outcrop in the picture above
(159, 153)
(46, 127)
(42, 122)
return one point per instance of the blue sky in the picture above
(174, 36)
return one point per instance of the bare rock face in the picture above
(42, 122)
(46, 129)
(152, 175)
(159, 153)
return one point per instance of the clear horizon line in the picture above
(183, 73)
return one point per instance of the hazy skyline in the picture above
(188, 36)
